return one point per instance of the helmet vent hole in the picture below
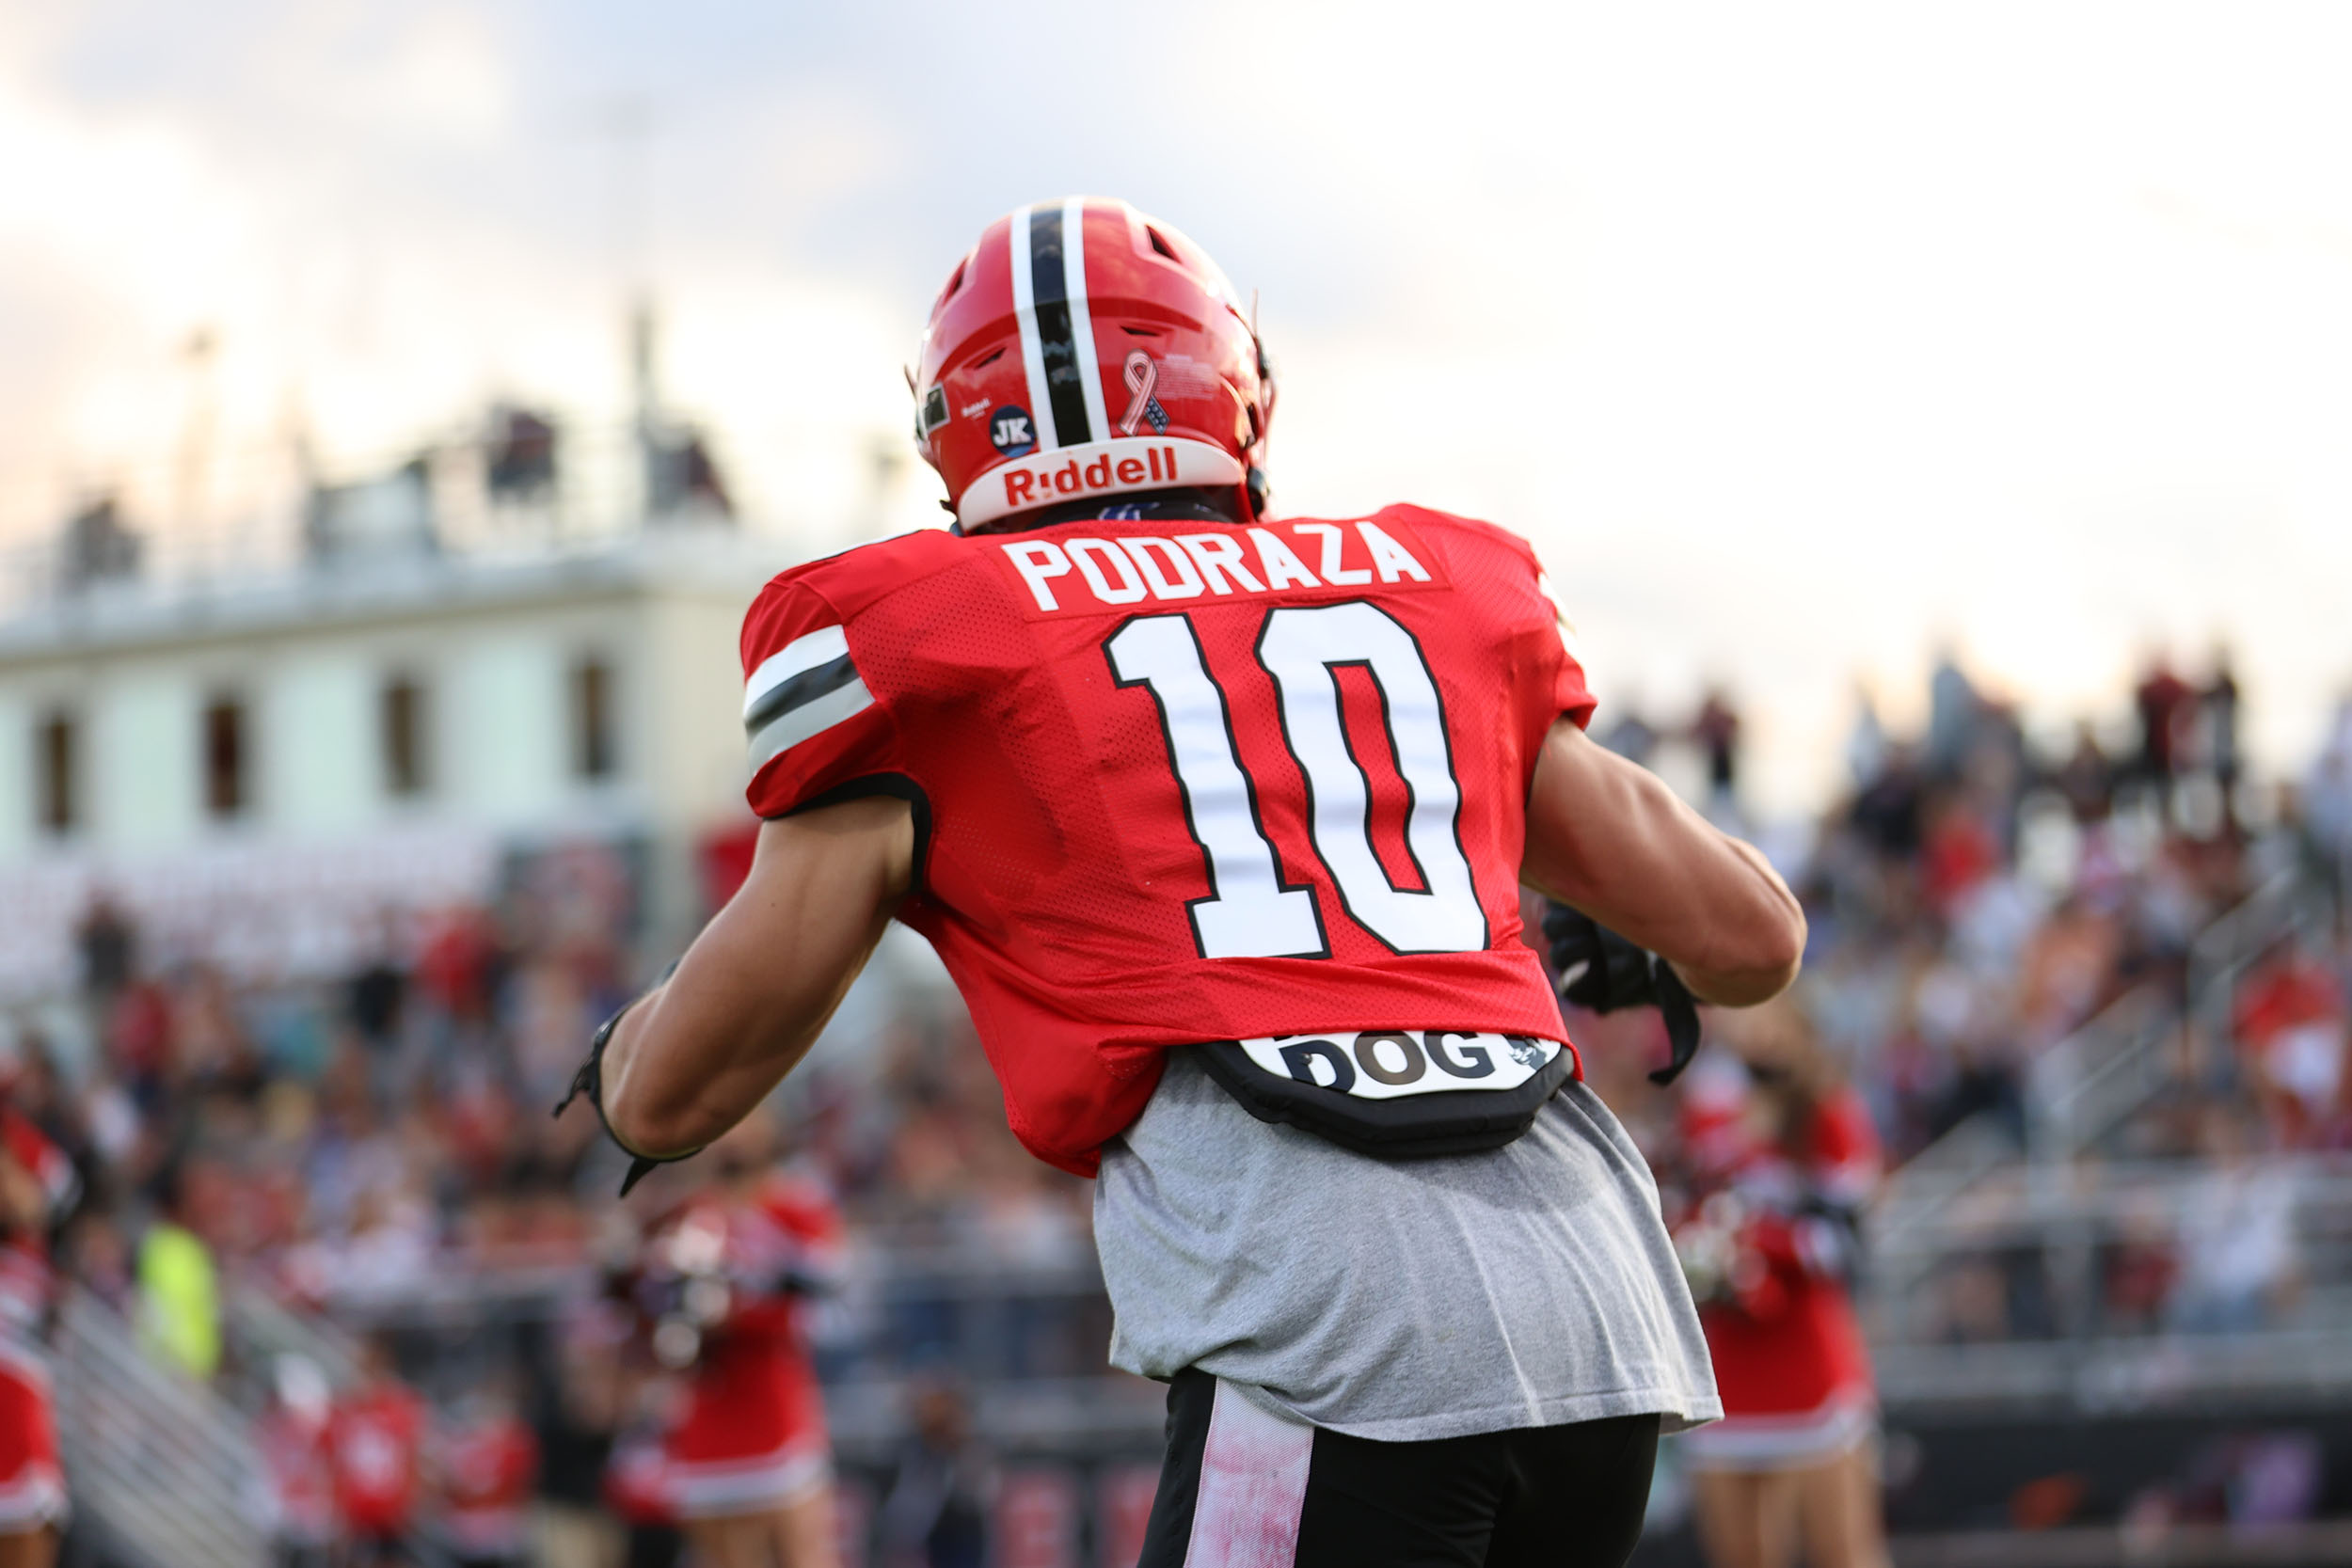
(1141, 331)
(989, 359)
(1159, 243)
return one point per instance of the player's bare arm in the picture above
(757, 985)
(1610, 838)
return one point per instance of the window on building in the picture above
(56, 785)
(406, 760)
(227, 758)
(592, 718)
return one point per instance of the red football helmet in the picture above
(1082, 350)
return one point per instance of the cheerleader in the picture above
(748, 1463)
(1777, 1160)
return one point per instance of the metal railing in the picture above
(2082, 1087)
(264, 1328)
(1999, 1274)
(2224, 952)
(163, 1467)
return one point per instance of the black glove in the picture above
(590, 1082)
(1601, 972)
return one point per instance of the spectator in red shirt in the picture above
(374, 1438)
(297, 1474)
(2163, 700)
(487, 1462)
(2292, 1033)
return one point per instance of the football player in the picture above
(1219, 819)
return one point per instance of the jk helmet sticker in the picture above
(1011, 431)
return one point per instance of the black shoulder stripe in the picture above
(802, 688)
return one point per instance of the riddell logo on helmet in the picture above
(1095, 469)
(1034, 486)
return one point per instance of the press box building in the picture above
(259, 766)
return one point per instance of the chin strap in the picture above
(589, 1081)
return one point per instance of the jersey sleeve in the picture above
(810, 719)
(1571, 697)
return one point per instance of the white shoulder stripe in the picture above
(803, 652)
(812, 718)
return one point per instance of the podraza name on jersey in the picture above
(1393, 1064)
(1087, 576)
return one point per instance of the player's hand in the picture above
(1602, 973)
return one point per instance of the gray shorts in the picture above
(1533, 1285)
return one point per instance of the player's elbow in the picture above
(654, 1130)
(1760, 961)
(659, 1117)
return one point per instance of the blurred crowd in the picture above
(1977, 896)
(1978, 899)
(364, 1148)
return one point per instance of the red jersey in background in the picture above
(488, 1464)
(374, 1436)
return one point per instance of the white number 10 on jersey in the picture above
(1249, 912)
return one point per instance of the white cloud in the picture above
(1798, 339)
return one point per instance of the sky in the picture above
(1802, 344)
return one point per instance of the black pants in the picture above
(1241, 1490)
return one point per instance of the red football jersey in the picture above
(1182, 782)
(374, 1436)
(489, 1466)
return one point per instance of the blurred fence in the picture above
(2104, 1285)
(162, 1469)
(2069, 1274)
(1025, 1339)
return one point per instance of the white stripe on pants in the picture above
(1253, 1486)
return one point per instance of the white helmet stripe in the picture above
(1025, 311)
(1073, 251)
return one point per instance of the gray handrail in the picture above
(2100, 1074)
(165, 1466)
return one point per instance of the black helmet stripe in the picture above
(1064, 368)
